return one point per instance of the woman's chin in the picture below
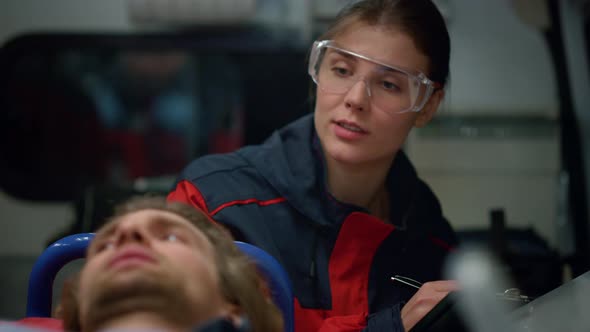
(347, 155)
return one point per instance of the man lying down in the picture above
(158, 266)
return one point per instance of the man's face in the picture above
(150, 261)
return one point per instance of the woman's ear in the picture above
(428, 111)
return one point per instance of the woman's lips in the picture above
(348, 130)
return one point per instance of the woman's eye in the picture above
(390, 86)
(341, 71)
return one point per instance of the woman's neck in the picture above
(361, 185)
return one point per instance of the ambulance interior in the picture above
(100, 100)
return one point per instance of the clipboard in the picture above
(442, 318)
(445, 316)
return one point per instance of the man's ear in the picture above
(69, 307)
(235, 314)
(428, 111)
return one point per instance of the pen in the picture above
(407, 281)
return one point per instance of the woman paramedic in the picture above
(332, 196)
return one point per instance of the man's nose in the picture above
(130, 233)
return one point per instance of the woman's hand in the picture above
(424, 300)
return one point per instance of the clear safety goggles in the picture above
(392, 89)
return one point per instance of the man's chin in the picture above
(133, 281)
(129, 275)
(135, 290)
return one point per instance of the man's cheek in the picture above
(90, 273)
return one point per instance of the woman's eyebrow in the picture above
(343, 54)
(354, 58)
(390, 69)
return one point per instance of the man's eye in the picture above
(105, 245)
(171, 237)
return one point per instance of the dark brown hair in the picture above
(240, 281)
(419, 19)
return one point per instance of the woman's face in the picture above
(352, 129)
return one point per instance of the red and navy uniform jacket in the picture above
(340, 258)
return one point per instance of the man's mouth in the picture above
(131, 257)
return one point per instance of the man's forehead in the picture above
(148, 216)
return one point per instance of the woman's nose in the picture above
(357, 98)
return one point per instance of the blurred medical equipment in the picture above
(483, 309)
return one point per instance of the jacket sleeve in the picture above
(389, 319)
(350, 323)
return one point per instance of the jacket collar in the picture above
(292, 161)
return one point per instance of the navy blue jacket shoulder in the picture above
(339, 257)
